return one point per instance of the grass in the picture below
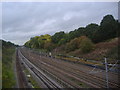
(79, 60)
(14, 67)
(33, 82)
(0, 74)
(8, 77)
(31, 79)
(0, 67)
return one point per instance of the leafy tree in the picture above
(64, 40)
(72, 35)
(38, 41)
(108, 29)
(91, 30)
(49, 46)
(44, 39)
(34, 42)
(72, 45)
(80, 32)
(7, 44)
(83, 43)
(86, 45)
(27, 44)
(118, 31)
(57, 37)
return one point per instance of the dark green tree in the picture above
(76, 33)
(91, 30)
(57, 37)
(108, 29)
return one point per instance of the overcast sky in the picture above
(23, 20)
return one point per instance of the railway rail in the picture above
(22, 82)
(46, 65)
(48, 82)
(94, 80)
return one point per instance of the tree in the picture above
(38, 42)
(34, 42)
(64, 40)
(72, 34)
(80, 32)
(86, 45)
(108, 29)
(43, 39)
(118, 31)
(91, 30)
(72, 45)
(49, 46)
(27, 44)
(83, 43)
(7, 44)
(57, 37)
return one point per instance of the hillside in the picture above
(93, 41)
(8, 57)
(103, 49)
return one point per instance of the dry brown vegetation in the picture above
(100, 50)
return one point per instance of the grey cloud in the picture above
(21, 21)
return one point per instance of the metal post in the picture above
(107, 85)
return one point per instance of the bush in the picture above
(86, 45)
(113, 53)
(72, 45)
(49, 46)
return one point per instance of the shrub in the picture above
(86, 45)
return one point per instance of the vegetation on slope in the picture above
(107, 49)
(0, 64)
(83, 40)
(8, 77)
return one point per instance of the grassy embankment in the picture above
(8, 74)
(0, 66)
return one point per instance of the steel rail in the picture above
(50, 83)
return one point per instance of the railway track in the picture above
(92, 82)
(21, 77)
(67, 74)
(94, 79)
(80, 76)
(43, 77)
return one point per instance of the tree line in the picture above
(83, 37)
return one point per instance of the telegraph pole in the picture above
(106, 68)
